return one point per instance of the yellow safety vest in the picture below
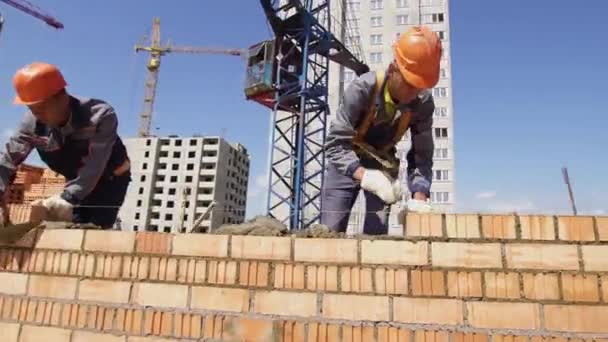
(381, 155)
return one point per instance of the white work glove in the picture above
(379, 184)
(419, 206)
(57, 209)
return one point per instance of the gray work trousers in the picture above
(338, 197)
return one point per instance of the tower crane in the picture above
(34, 11)
(156, 51)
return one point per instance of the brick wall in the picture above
(453, 278)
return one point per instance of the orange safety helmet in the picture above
(37, 82)
(418, 53)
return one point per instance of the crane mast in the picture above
(156, 51)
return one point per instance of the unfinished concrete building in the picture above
(175, 180)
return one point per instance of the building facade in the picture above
(371, 27)
(175, 180)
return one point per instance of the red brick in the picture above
(153, 243)
(326, 250)
(104, 291)
(289, 276)
(13, 283)
(373, 308)
(604, 288)
(261, 247)
(38, 334)
(143, 268)
(464, 284)
(392, 334)
(245, 329)
(293, 332)
(542, 257)
(427, 310)
(470, 337)
(576, 318)
(200, 245)
(502, 285)
(580, 288)
(53, 287)
(356, 279)
(109, 241)
(428, 283)
(462, 226)
(595, 258)
(161, 295)
(391, 281)
(602, 227)
(575, 228)
(504, 315)
(218, 298)
(394, 252)
(536, 227)
(322, 278)
(423, 224)
(472, 255)
(431, 336)
(197, 271)
(66, 239)
(9, 331)
(86, 336)
(541, 286)
(498, 226)
(273, 303)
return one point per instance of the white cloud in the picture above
(486, 195)
(259, 186)
(599, 212)
(256, 196)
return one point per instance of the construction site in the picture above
(186, 261)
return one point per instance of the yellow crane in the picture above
(156, 51)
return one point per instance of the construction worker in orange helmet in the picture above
(77, 138)
(377, 110)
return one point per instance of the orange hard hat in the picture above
(37, 82)
(418, 54)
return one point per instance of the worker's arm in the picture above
(16, 150)
(339, 151)
(100, 148)
(420, 155)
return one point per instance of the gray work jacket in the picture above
(352, 111)
(86, 149)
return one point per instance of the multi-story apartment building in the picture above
(371, 27)
(176, 179)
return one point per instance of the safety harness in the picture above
(382, 154)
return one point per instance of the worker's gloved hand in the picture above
(379, 184)
(419, 206)
(57, 209)
(397, 190)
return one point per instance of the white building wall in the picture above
(175, 180)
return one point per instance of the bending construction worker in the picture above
(75, 137)
(377, 110)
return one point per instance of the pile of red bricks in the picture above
(32, 183)
(464, 278)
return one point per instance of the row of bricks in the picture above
(349, 251)
(525, 227)
(55, 320)
(486, 314)
(569, 287)
(233, 329)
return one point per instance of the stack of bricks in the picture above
(453, 278)
(25, 176)
(51, 183)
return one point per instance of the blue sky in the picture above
(529, 87)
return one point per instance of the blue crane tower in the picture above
(289, 74)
